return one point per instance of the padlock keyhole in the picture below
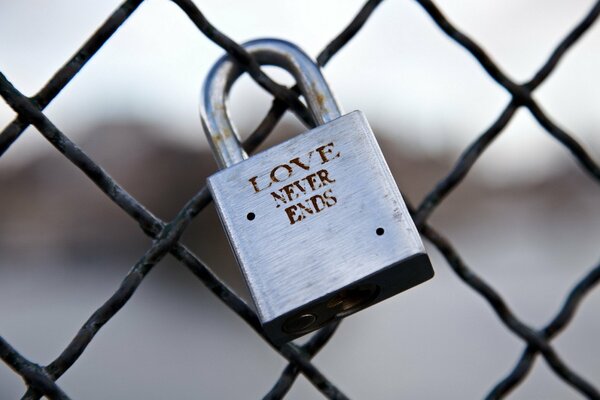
(349, 301)
(342, 304)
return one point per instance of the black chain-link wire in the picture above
(41, 380)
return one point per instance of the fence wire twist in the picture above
(41, 380)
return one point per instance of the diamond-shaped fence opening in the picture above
(42, 380)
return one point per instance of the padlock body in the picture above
(318, 227)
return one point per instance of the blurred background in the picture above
(526, 218)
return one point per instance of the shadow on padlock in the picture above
(316, 223)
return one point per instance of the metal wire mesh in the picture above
(41, 380)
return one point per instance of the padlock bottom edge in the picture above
(357, 296)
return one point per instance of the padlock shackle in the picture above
(217, 125)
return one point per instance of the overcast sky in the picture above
(401, 70)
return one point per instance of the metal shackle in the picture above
(224, 140)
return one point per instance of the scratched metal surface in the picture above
(288, 265)
(216, 120)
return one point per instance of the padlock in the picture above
(317, 223)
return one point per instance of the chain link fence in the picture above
(41, 380)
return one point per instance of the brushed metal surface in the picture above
(288, 266)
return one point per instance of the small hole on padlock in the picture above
(349, 301)
(250, 216)
(300, 323)
(380, 231)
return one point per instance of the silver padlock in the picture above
(317, 223)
